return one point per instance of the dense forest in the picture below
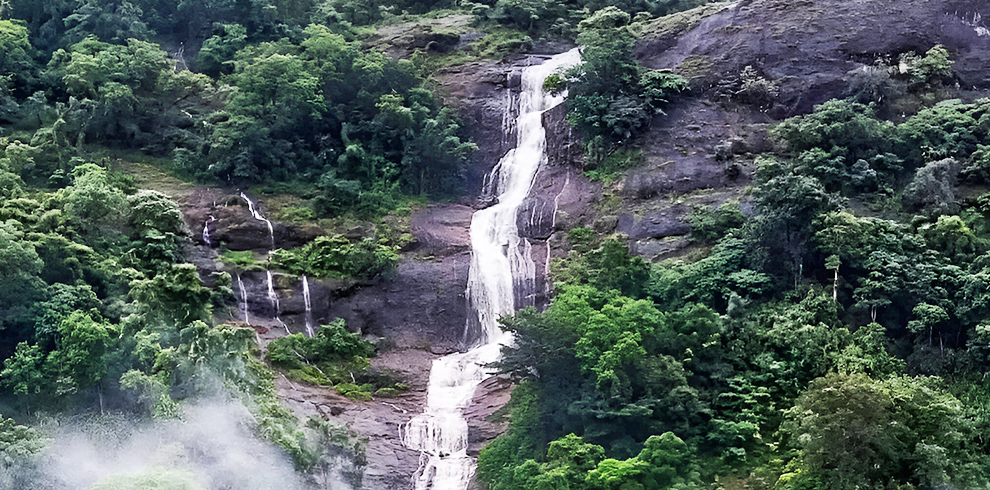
(833, 338)
(828, 328)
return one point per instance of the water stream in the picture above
(272, 297)
(206, 230)
(258, 216)
(309, 307)
(243, 304)
(502, 277)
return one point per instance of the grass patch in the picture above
(244, 260)
(615, 164)
(677, 23)
(501, 41)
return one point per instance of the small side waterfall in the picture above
(243, 303)
(502, 276)
(258, 216)
(272, 296)
(274, 300)
(206, 230)
(309, 307)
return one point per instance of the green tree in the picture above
(17, 68)
(18, 443)
(175, 297)
(855, 432)
(217, 53)
(115, 21)
(19, 269)
(24, 372)
(610, 97)
(92, 204)
(157, 229)
(80, 360)
(788, 204)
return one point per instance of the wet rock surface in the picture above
(389, 464)
(809, 47)
(442, 229)
(490, 396)
(420, 305)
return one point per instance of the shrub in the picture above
(931, 191)
(336, 256)
(332, 343)
(710, 225)
(756, 89)
(928, 70)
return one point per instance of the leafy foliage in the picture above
(387, 134)
(336, 256)
(809, 347)
(610, 96)
(17, 443)
(334, 357)
(709, 225)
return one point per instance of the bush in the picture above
(932, 190)
(332, 343)
(336, 256)
(929, 70)
(757, 90)
(874, 83)
(710, 225)
(838, 127)
(611, 97)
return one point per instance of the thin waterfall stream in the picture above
(243, 303)
(272, 297)
(206, 230)
(309, 307)
(501, 278)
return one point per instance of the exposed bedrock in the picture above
(810, 46)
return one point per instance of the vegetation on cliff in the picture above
(835, 336)
(832, 339)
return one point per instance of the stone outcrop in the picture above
(808, 47)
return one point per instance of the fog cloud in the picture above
(213, 446)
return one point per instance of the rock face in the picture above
(810, 46)
(700, 153)
(421, 305)
(232, 224)
(389, 464)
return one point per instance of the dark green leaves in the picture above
(336, 256)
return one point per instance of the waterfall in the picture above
(206, 230)
(309, 308)
(272, 297)
(244, 299)
(501, 271)
(258, 216)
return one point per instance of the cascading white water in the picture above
(244, 299)
(258, 216)
(206, 230)
(272, 297)
(501, 269)
(309, 308)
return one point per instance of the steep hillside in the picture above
(700, 153)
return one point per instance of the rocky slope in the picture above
(810, 46)
(700, 153)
